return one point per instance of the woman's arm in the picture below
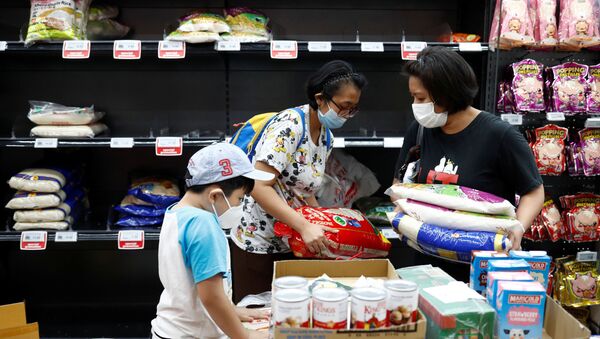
(529, 208)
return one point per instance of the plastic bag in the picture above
(578, 24)
(593, 98)
(31, 200)
(57, 20)
(582, 216)
(590, 150)
(194, 37)
(549, 149)
(580, 282)
(244, 37)
(552, 220)
(44, 180)
(102, 12)
(49, 113)
(83, 131)
(154, 190)
(52, 225)
(134, 221)
(247, 21)
(545, 24)
(133, 206)
(356, 236)
(516, 27)
(107, 29)
(570, 87)
(203, 22)
(59, 213)
(528, 86)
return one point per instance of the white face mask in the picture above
(427, 117)
(230, 218)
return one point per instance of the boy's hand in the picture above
(258, 334)
(251, 314)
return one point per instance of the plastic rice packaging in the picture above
(155, 190)
(247, 25)
(136, 207)
(44, 180)
(49, 113)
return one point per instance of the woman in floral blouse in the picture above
(297, 156)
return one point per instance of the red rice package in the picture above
(528, 85)
(570, 87)
(582, 216)
(590, 150)
(545, 24)
(516, 27)
(356, 236)
(549, 149)
(552, 220)
(578, 24)
(593, 99)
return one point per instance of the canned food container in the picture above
(289, 282)
(402, 301)
(368, 308)
(291, 308)
(330, 308)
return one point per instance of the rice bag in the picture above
(84, 131)
(582, 216)
(516, 27)
(243, 37)
(247, 25)
(31, 200)
(528, 86)
(203, 22)
(453, 197)
(135, 221)
(448, 218)
(590, 150)
(578, 24)
(545, 23)
(593, 98)
(552, 220)
(106, 29)
(154, 190)
(549, 149)
(136, 207)
(52, 225)
(194, 37)
(356, 236)
(59, 213)
(49, 113)
(43, 180)
(102, 12)
(57, 20)
(581, 284)
(570, 87)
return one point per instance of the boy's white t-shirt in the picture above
(192, 248)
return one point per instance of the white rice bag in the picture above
(30, 200)
(86, 131)
(194, 37)
(52, 225)
(458, 220)
(453, 197)
(49, 113)
(51, 214)
(42, 180)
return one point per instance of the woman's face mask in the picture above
(423, 108)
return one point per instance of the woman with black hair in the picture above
(295, 147)
(462, 145)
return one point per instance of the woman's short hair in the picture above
(330, 78)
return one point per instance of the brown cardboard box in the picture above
(559, 324)
(345, 272)
(13, 323)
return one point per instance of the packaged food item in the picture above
(545, 26)
(581, 284)
(539, 262)
(495, 277)
(49, 113)
(510, 265)
(30, 200)
(570, 87)
(590, 150)
(574, 159)
(453, 197)
(552, 220)
(511, 25)
(203, 22)
(593, 98)
(330, 308)
(53, 225)
(528, 86)
(368, 308)
(289, 282)
(582, 215)
(84, 131)
(106, 29)
(57, 20)
(134, 221)
(291, 308)
(155, 190)
(356, 236)
(447, 218)
(549, 149)
(520, 307)
(375, 209)
(479, 266)
(247, 25)
(136, 207)
(460, 37)
(43, 180)
(578, 24)
(402, 302)
(193, 37)
(100, 11)
(59, 213)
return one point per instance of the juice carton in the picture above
(539, 262)
(511, 265)
(495, 277)
(479, 268)
(520, 307)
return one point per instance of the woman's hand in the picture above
(251, 314)
(515, 236)
(314, 237)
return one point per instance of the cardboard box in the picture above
(559, 324)
(13, 323)
(346, 272)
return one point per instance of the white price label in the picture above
(46, 143)
(410, 49)
(131, 240)
(469, 47)
(34, 240)
(339, 143)
(371, 47)
(228, 46)
(65, 236)
(3, 46)
(121, 143)
(284, 49)
(127, 49)
(587, 256)
(592, 123)
(390, 233)
(169, 146)
(319, 46)
(513, 119)
(393, 142)
(555, 116)
(171, 49)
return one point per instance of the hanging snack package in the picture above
(528, 86)
(545, 23)
(593, 98)
(57, 20)
(516, 27)
(578, 26)
(570, 87)
(200, 27)
(154, 190)
(136, 207)
(590, 150)
(581, 284)
(49, 113)
(552, 220)
(582, 215)
(356, 236)
(549, 149)
(247, 25)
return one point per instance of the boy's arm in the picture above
(219, 307)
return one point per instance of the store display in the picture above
(582, 216)
(520, 307)
(578, 24)
(57, 20)
(495, 277)
(368, 308)
(49, 113)
(512, 25)
(528, 86)
(539, 262)
(199, 27)
(479, 266)
(291, 308)
(549, 149)
(545, 23)
(570, 87)
(247, 25)
(402, 302)
(330, 308)
(590, 150)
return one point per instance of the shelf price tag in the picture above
(228, 46)
(131, 240)
(76, 49)
(65, 236)
(555, 116)
(410, 49)
(587, 256)
(127, 49)
(339, 143)
(34, 240)
(372, 47)
(513, 119)
(319, 46)
(393, 142)
(592, 123)
(169, 146)
(121, 143)
(46, 143)
(171, 49)
(3, 46)
(284, 49)
(469, 47)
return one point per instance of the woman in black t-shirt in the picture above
(462, 145)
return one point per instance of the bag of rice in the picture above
(59, 213)
(49, 113)
(85, 131)
(203, 22)
(154, 190)
(194, 37)
(133, 221)
(454, 197)
(30, 200)
(57, 20)
(53, 225)
(43, 180)
(247, 25)
(132, 206)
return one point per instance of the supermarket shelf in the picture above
(101, 142)
(150, 234)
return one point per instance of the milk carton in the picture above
(495, 277)
(520, 307)
(479, 268)
(539, 262)
(511, 265)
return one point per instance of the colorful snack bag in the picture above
(539, 262)
(57, 20)
(479, 266)
(545, 23)
(590, 150)
(520, 307)
(516, 28)
(574, 159)
(578, 24)
(570, 87)
(495, 277)
(581, 280)
(593, 99)
(582, 216)
(552, 220)
(528, 86)
(549, 149)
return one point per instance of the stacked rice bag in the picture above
(247, 25)
(59, 121)
(102, 24)
(199, 27)
(451, 221)
(57, 20)
(46, 198)
(146, 202)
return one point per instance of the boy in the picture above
(193, 252)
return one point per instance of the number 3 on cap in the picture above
(227, 171)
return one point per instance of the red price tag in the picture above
(284, 49)
(76, 49)
(171, 50)
(131, 240)
(127, 49)
(169, 146)
(34, 240)
(410, 49)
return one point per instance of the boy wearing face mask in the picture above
(193, 252)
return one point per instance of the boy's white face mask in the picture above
(230, 218)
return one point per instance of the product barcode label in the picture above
(284, 49)
(555, 116)
(33, 240)
(592, 123)
(3, 46)
(171, 49)
(225, 46)
(587, 256)
(65, 236)
(372, 47)
(390, 233)
(127, 49)
(121, 143)
(469, 46)
(319, 46)
(410, 49)
(513, 119)
(46, 143)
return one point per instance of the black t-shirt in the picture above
(489, 155)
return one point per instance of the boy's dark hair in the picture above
(228, 186)
(330, 78)
(448, 78)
